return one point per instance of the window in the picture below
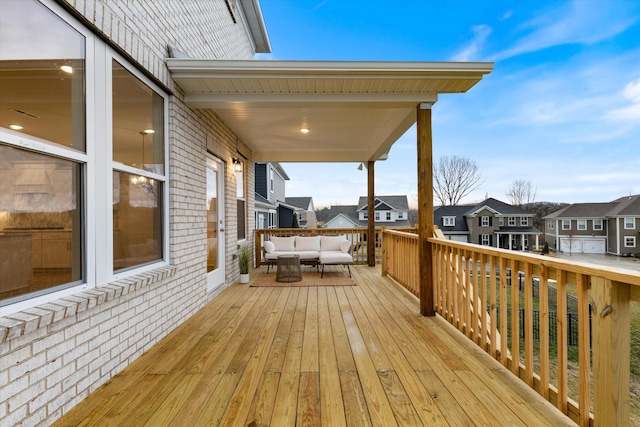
(629, 223)
(241, 205)
(524, 221)
(566, 224)
(582, 224)
(73, 218)
(365, 215)
(388, 216)
(550, 225)
(484, 221)
(597, 224)
(448, 221)
(512, 221)
(272, 182)
(377, 216)
(138, 190)
(501, 221)
(485, 240)
(629, 241)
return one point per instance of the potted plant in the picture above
(244, 262)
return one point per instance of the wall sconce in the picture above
(237, 165)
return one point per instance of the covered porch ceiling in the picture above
(355, 111)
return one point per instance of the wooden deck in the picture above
(306, 356)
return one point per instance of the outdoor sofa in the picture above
(314, 250)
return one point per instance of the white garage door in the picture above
(582, 246)
(571, 246)
(593, 246)
(458, 238)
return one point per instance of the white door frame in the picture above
(215, 170)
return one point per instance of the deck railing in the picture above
(476, 289)
(357, 237)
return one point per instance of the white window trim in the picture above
(524, 221)
(501, 221)
(97, 220)
(448, 221)
(484, 221)
(550, 225)
(632, 223)
(632, 238)
(512, 221)
(583, 222)
(569, 224)
(486, 241)
(597, 224)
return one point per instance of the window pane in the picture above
(40, 224)
(241, 220)
(137, 220)
(42, 61)
(138, 123)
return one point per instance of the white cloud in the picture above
(578, 22)
(631, 112)
(471, 51)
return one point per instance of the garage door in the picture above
(593, 246)
(582, 246)
(571, 246)
(457, 238)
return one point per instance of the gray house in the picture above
(489, 223)
(272, 211)
(305, 210)
(390, 211)
(596, 228)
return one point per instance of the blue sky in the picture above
(561, 108)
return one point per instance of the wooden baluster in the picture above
(528, 324)
(544, 331)
(563, 369)
(504, 351)
(584, 344)
(515, 319)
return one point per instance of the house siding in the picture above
(54, 355)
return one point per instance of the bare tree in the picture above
(455, 177)
(521, 193)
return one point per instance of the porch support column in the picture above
(371, 220)
(425, 207)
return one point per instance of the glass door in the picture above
(215, 224)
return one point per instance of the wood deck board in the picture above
(327, 356)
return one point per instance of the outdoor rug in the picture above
(309, 278)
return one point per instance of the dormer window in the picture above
(448, 221)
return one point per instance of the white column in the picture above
(537, 241)
(522, 242)
(510, 237)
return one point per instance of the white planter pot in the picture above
(244, 278)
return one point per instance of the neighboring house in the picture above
(272, 211)
(305, 210)
(390, 211)
(596, 228)
(489, 223)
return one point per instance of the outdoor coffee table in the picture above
(288, 269)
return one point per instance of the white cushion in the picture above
(268, 247)
(331, 243)
(307, 255)
(283, 243)
(345, 246)
(311, 243)
(333, 257)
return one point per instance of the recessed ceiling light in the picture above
(16, 127)
(304, 130)
(148, 131)
(67, 69)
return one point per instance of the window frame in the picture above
(512, 221)
(632, 223)
(484, 221)
(448, 221)
(628, 239)
(566, 224)
(581, 224)
(485, 240)
(524, 221)
(97, 166)
(551, 225)
(597, 224)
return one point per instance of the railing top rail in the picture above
(613, 273)
(412, 235)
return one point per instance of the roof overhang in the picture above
(355, 111)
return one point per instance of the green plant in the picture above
(244, 259)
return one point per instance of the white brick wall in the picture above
(54, 355)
